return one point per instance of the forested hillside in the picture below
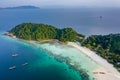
(32, 31)
(107, 46)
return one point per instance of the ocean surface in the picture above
(86, 21)
(42, 65)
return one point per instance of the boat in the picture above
(14, 55)
(24, 64)
(11, 68)
(101, 17)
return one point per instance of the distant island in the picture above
(22, 7)
(106, 46)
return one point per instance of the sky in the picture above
(61, 3)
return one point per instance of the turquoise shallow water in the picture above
(42, 66)
(72, 56)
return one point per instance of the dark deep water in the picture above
(86, 21)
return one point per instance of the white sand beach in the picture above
(105, 71)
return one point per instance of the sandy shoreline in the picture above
(105, 71)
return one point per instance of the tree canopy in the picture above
(32, 31)
(107, 46)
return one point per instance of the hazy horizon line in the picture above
(59, 7)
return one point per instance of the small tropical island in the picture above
(106, 46)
